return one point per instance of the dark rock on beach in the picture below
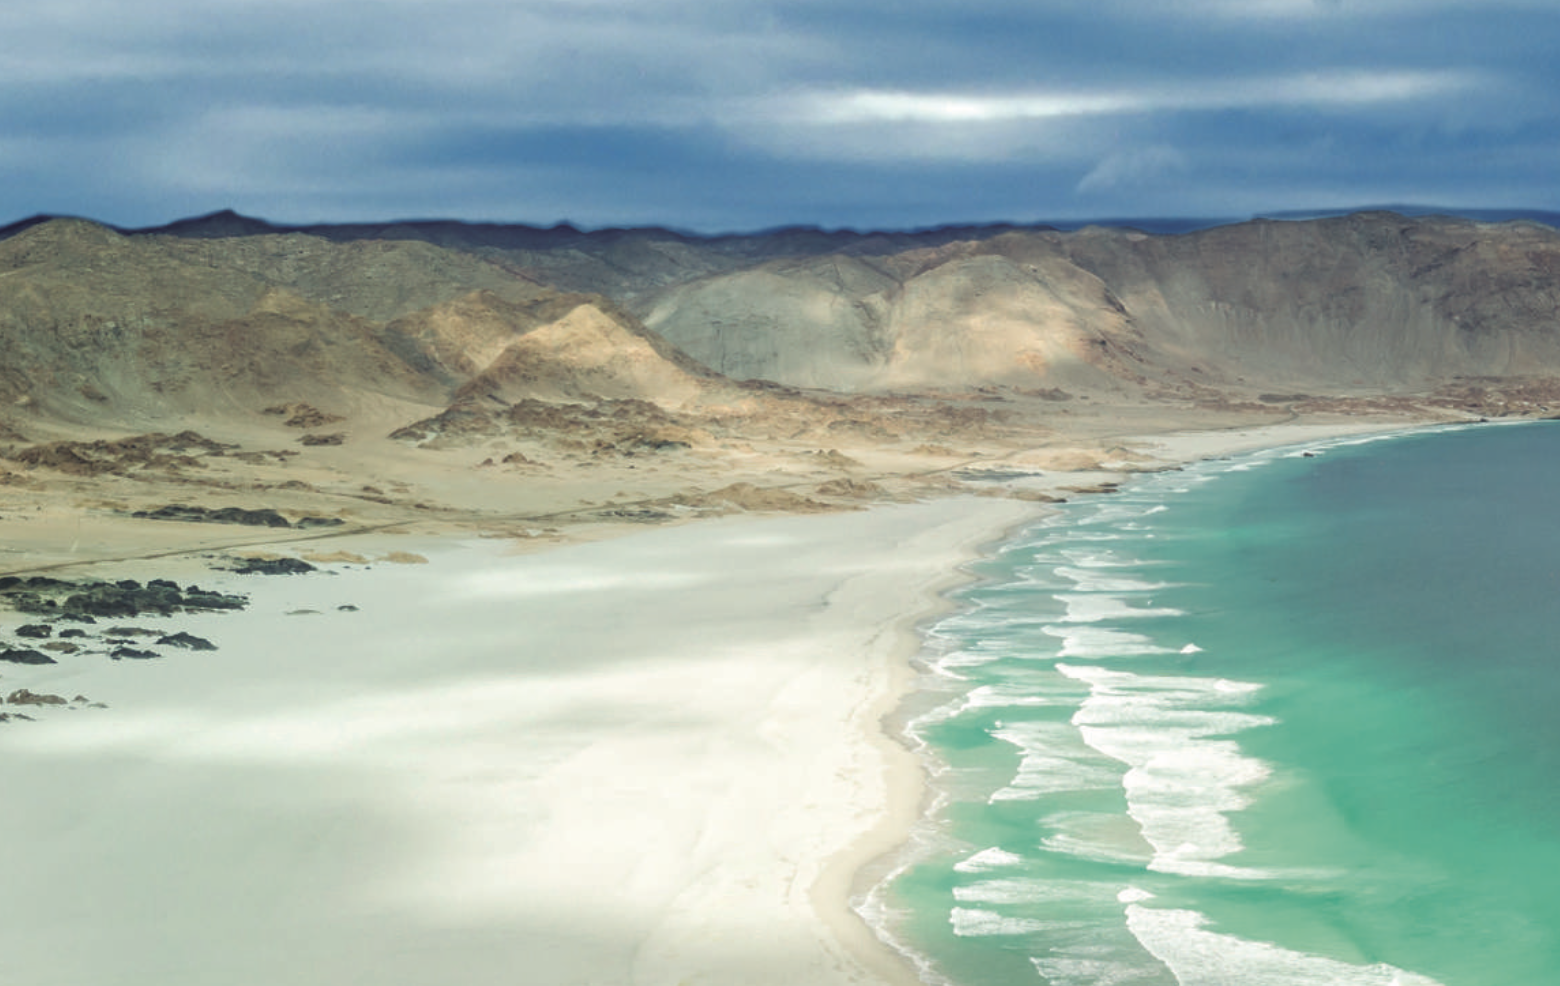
(135, 653)
(18, 655)
(306, 522)
(202, 600)
(186, 640)
(35, 630)
(87, 600)
(222, 515)
(24, 697)
(272, 566)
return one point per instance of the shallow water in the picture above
(1283, 719)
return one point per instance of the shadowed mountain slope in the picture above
(96, 325)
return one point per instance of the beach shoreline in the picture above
(742, 815)
(881, 852)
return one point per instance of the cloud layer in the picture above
(740, 114)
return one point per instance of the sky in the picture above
(739, 115)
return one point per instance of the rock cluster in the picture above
(272, 566)
(83, 601)
(37, 700)
(263, 517)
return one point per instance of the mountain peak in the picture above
(216, 225)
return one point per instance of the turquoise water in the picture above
(1283, 720)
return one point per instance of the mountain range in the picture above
(217, 313)
(556, 349)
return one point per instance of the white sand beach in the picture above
(654, 760)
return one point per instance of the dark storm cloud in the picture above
(722, 114)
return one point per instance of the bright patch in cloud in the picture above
(1311, 89)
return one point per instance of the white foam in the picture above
(1095, 558)
(969, 922)
(988, 859)
(1191, 649)
(1092, 641)
(1061, 969)
(1183, 777)
(963, 659)
(1012, 697)
(1031, 891)
(1090, 580)
(1093, 608)
(1055, 760)
(1198, 957)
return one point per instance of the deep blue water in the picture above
(1292, 718)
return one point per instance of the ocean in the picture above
(1285, 719)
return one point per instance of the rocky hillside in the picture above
(1362, 304)
(98, 326)
(226, 315)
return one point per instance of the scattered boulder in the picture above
(134, 653)
(118, 601)
(186, 640)
(333, 438)
(24, 697)
(35, 630)
(307, 522)
(190, 513)
(196, 599)
(20, 655)
(85, 601)
(301, 415)
(273, 566)
(637, 515)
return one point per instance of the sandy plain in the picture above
(645, 754)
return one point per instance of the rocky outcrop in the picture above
(271, 566)
(188, 641)
(24, 655)
(223, 515)
(24, 697)
(88, 599)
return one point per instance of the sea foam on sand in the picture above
(653, 759)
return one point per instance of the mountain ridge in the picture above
(510, 379)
